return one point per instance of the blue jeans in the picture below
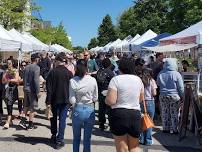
(83, 116)
(61, 111)
(146, 136)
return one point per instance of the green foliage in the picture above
(160, 16)
(53, 35)
(78, 49)
(13, 13)
(183, 13)
(144, 15)
(61, 37)
(93, 43)
(106, 31)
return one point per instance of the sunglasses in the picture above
(24, 65)
(85, 54)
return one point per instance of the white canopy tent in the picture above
(113, 44)
(172, 47)
(106, 47)
(26, 46)
(145, 37)
(58, 48)
(96, 49)
(193, 34)
(36, 44)
(7, 43)
(125, 46)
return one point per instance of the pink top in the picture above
(71, 68)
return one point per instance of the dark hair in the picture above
(158, 54)
(81, 68)
(61, 57)
(127, 66)
(34, 57)
(147, 75)
(185, 62)
(106, 63)
(139, 62)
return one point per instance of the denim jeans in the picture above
(61, 111)
(146, 136)
(83, 116)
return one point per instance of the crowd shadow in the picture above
(100, 133)
(46, 141)
(170, 142)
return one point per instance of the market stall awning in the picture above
(186, 36)
(171, 47)
(26, 46)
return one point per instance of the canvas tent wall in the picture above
(26, 46)
(7, 43)
(58, 48)
(125, 45)
(188, 36)
(36, 44)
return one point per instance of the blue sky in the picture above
(81, 18)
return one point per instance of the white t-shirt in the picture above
(148, 90)
(128, 89)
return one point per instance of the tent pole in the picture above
(19, 56)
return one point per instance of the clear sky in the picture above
(81, 18)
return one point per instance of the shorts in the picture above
(30, 101)
(125, 121)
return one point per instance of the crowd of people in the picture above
(119, 83)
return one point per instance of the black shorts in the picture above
(30, 101)
(125, 121)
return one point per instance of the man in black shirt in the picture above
(104, 75)
(58, 99)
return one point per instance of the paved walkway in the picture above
(17, 140)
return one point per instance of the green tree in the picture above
(144, 15)
(93, 43)
(106, 31)
(61, 37)
(53, 35)
(183, 13)
(46, 35)
(13, 13)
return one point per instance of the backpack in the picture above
(101, 75)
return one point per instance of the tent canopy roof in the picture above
(193, 30)
(145, 37)
(172, 47)
(155, 41)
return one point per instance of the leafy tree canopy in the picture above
(106, 31)
(53, 35)
(93, 43)
(13, 13)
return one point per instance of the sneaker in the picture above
(59, 145)
(23, 123)
(102, 127)
(31, 126)
(149, 143)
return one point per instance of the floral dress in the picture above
(11, 93)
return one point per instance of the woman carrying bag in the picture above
(148, 106)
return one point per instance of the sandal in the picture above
(7, 125)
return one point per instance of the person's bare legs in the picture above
(133, 144)
(121, 143)
(31, 116)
